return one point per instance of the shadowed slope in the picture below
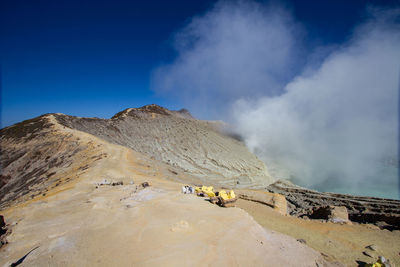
(37, 155)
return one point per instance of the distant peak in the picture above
(153, 109)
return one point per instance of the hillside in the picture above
(51, 198)
(71, 220)
(38, 155)
(49, 150)
(196, 147)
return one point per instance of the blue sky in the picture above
(96, 58)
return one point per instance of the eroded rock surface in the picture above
(302, 202)
(197, 147)
(331, 213)
(273, 200)
(45, 152)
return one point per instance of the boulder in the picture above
(279, 203)
(276, 201)
(3, 231)
(384, 213)
(372, 247)
(335, 214)
(2, 225)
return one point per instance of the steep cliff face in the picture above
(198, 147)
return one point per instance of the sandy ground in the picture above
(343, 243)
(82, 225)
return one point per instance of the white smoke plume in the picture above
(236, 50)
(332, 126)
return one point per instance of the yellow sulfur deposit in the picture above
(226, 196)
(208, 190)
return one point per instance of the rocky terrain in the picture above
(201, 148)
(37, 152)
(37, 155)
(303, 202)
(87, 221)
(71, 186)
(348, 243)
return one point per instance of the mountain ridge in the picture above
(35, 152)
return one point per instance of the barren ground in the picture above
(81, 225)
(73, 223)
(343, 243)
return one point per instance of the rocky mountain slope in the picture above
(49, 195)
(81, 223)
(54, 148)
(37, 155)
(54, 206)
(197, 147)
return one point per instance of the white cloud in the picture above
(329, 126)
(238, 49)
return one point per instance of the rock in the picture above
(214, 200)
(378, 211)
(276, 201)
(173, 172)
(384, 261)
(369, 254)
(371, 226)
(372, 247)
(301, 241)
(383, 225)
(331, 213)
(229, 203)
(104, 182)
(2, 222)
(4, 231)
(279, 203)
(339, 215)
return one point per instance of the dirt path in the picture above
(123, 226)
